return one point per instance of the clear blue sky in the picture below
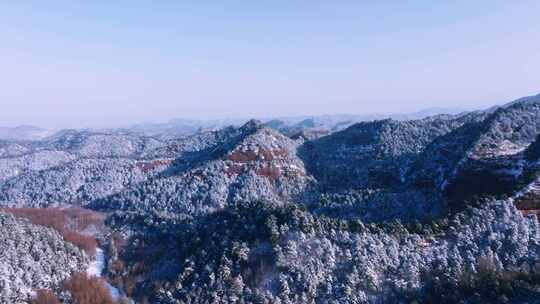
(83, 63)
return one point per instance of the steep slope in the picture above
(380, 169)
(33, 257)
(251, 163)
(77, 167)
(200, 142)
(527, 199)
(248, 214)
(482, 157)
(372, 154)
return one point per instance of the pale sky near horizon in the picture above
(110, 63)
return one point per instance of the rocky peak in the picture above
(267, 152)
(251, 126)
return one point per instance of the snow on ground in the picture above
(96, 269)
(509, 148)
(532, 187)
(515, 172)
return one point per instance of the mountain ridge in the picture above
(369, 212)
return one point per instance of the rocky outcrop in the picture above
(378, 212)
(422, 162)
(483, 157)
(252, 163)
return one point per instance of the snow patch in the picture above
(96, 268)
(532, 187)
(507, 148)
(515, 172)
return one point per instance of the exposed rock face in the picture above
(411, 164)
(253, 163)
(528, 198)
(379, 212)
(33, 257)
(485, 156)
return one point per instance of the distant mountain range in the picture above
(287, 125)
(327, 209)
(23, 133)
(184, 127)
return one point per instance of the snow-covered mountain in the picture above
(314, 210)
(23, 133)
(287, 125)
